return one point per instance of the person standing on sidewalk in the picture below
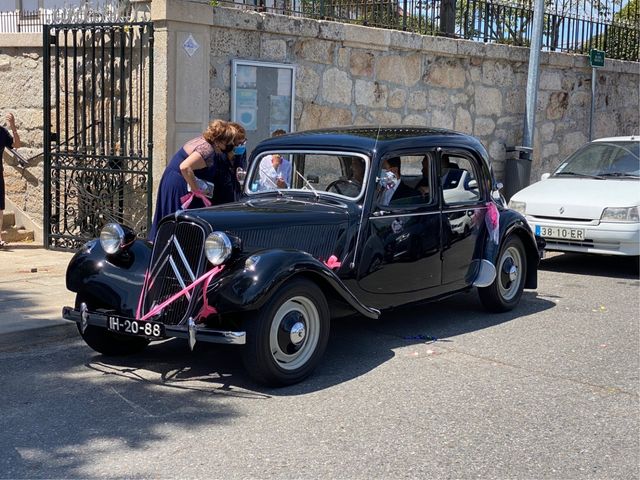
(11, 140)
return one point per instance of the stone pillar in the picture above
(181, 78)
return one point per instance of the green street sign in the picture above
(596, 58)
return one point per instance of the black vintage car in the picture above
(334, 222)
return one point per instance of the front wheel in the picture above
(511, 269)
(288, 335)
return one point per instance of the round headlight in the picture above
(112, 238)
(217, 247)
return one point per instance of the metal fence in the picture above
(574, 26)
(23, 21)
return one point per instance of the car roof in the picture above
(619, 139)
(370, 138)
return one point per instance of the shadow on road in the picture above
(584, 264)
(62, 398)
(356, 346)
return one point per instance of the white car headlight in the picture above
(112, 238)
(520, 207)
(217, 247)
(621, 215)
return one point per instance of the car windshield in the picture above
(618, 159)
(337, 173)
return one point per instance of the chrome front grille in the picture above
(177, 260)
(584, 221)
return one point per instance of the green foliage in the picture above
(214, 3)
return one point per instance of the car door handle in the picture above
(381, 213)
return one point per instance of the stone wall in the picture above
(21, 94)
(357, 75)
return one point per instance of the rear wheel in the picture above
(511, 269)
(287, 337)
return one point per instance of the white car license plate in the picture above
(563, 233)
(135, 327)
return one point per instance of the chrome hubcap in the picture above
(510, 278)
(298, 332)
(294, 333)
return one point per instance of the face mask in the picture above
(239, 150)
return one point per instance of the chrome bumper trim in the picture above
(99, 319)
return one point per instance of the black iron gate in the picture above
(98, 84)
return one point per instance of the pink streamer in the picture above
(492, 219)
(204, 278)
(188, 198)
(206, 309)
(144, 284)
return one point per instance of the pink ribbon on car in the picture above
(188, 198)
(206, 309)
(333, 262)
(492, 219)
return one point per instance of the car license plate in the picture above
(560, 232)
(135, 327)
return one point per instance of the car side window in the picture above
(459, 179)
(414, 185)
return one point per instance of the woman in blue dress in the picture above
(214, 157)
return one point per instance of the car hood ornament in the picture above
(561, 210)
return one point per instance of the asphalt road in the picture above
(550, 390)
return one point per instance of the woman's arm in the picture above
(193, 162)
(11, 121)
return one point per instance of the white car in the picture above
(591, 203)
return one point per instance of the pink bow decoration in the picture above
(333, 262)
(188, 198)
(492, 219)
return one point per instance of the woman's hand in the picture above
(188, 165)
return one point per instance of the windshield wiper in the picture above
(585, 175)
(619, 174)
(308, 184)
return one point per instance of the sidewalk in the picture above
(32, 294)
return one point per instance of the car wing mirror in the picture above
(473, 184)
(544, 176)
(313, 179)
(387, 180)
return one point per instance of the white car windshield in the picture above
(603, 160)
(337, 173)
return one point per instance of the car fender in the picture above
(512, 223)
(241, 288)
(109, 281)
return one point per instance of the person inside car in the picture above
(398, 190)
(423, 186)
(275, 171)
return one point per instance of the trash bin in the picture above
(517, 170)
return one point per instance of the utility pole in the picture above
(532, 78)
(518, 170)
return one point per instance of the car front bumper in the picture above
(101, 319)
(599, 237)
